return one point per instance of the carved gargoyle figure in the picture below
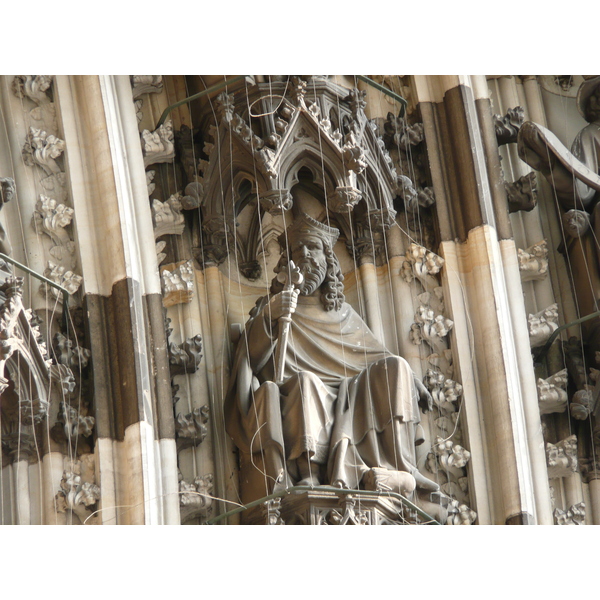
(344, 405)
(574, 175)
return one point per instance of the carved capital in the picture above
(507, 127)
(552, 393)
(177, 283)
(561, 457)
(19, 445)
(542, 325)
(533, 262)
(158, 146)
(146, 84)
(167, 216)
(42, 150)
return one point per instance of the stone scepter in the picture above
(289, 278)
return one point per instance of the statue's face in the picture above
(308, 253)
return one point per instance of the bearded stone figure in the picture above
(346, 411)
(574, 176)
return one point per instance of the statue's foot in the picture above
(423, 483)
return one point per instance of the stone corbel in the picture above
(561, 457)
(552, 393)
(51, 218)
(522, 194)
(343, 199)
(78, 491)
(193, 196)
(576, 223)
(158, 146)
(195, 500)
(542, 325)
(146, 84)
(177, 283)
(42, 150)
(533, 262)
(185, 358)
(507, 127)
(572, 516)
(191, 429)
(167, 216)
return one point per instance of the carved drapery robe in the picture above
(345, 400)
(575, 178)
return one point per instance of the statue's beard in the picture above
(314, 275)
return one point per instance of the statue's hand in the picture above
(425, 399)
(283, 304)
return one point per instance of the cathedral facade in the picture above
(299, 300)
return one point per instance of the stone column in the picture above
(457, 135)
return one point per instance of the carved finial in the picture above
(356, 99)
(224, 106)
(298, 90)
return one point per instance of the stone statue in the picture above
(346, 412)
(574, 176)
(7, 191)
